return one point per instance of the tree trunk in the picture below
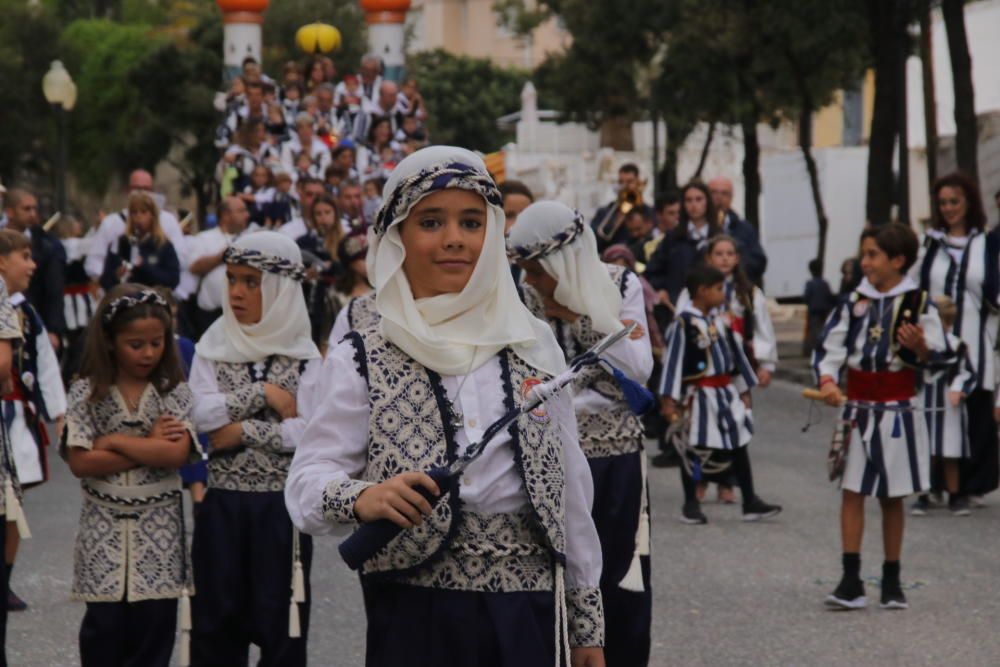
(884, 127)
(966, 132)
(930, 96)
(751, 170)
(704, 151)
(903, 142)
(616, 133)
(805, 145)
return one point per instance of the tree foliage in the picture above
(465, 97)
(27, 46)
(285, 17)
(111, 132)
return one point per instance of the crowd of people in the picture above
(363, 315)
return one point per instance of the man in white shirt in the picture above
(384, 106)
(305, 139)
(113, 226)
(206, 258)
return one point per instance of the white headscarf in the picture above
(284, 323)
(452, 334)
(556, 236)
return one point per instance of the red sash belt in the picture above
(881, 386)
(737, 324)
(73, 290)
(714, 381)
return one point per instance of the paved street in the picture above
(725, 594)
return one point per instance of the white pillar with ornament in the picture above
(386, 21)
(242, 21)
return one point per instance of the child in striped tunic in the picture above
(949, 379)
(706, 368)
(884, 333)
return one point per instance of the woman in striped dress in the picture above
(962, 262)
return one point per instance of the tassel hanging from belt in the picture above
(185, 627)
(15, 513)
(298, 588)
(633, 580)
(562, 618)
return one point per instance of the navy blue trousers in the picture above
(429, 627)
(3, 577)
(128, 634)
(242, 557)
(627, 614)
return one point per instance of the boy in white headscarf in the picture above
(251, 565)
(582, 299)
(504, 571)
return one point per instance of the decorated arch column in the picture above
(386, 21)
(242, 20)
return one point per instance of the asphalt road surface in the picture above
(727, 593)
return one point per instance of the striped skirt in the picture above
(888, 456)
(719, 420)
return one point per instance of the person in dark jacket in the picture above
(752, 257)
(45, 293)
(142, 254)
(609, 221)
(819, 300)
(685, 246)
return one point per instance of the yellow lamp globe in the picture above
(318, 38)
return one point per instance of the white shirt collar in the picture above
(868, 290)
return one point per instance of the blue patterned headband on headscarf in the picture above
(547, 246)
(435, 177)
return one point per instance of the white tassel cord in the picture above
(562, 618)
(15, 513)
(298, 588)
(633, 580)
(185, 650)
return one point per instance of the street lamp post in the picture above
(60, 92)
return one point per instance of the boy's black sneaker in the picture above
(757, 510)
(892, 595)
(849, 595)
(920, 506)
(692, 515)
(959, 505)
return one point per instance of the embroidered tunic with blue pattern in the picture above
(130, 543)
(10, 331)
(520, 506)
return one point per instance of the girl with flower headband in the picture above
(248, 367)
(583, 299)
(505, 569)
(127, 432)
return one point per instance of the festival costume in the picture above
(510, 557)
(251, 565)
(967, 270)
(947, 424)
(130, 562)
(359, 313)
(888, 454)
(10, 496)
(610, 434)
(37, 397)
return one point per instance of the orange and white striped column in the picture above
(242, 20)
(386, 21)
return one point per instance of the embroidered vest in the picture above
(908, 307)
(615, 429)
(262, 464)
(361, 312)
(408, 431)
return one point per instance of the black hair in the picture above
(815, 268)
(512, 187)
(668, 199)
(895, 240)
(975, 216)
(630, 168)
(702, 275)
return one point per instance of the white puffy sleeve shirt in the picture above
(334, 446)
(210, 413)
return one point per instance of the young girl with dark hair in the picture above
(127, 432)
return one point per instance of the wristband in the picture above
(825, 380)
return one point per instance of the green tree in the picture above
(465, 97)
(110, 132)
(285, 17)
(27, 46)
